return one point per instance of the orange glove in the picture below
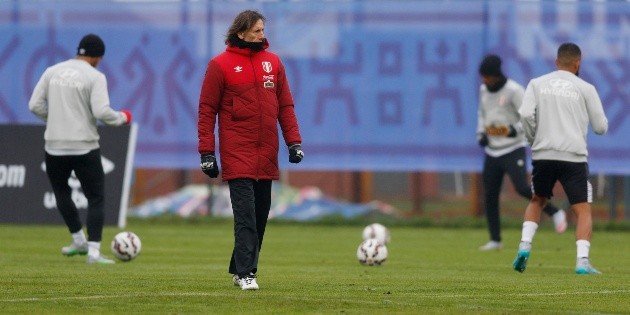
(500, 131)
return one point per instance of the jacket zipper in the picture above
(251, 61)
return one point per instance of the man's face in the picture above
(255, 34)
(94, 61)
(489, 80)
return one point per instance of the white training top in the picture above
(500, 108)
(70, 97)
(557, 109)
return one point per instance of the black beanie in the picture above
(91, 45)
(491, 66)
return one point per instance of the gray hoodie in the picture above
(500, 108)
(557, 109)
(70, 97)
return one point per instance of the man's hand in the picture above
(482, 139)
(512, 132)
(295, 153)
(127, 115)
(209, 165)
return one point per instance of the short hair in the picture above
(568, 53)
(242, 22)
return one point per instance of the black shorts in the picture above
(572, 176)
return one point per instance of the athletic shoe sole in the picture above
(587, 271)
(74, 252)
(100, 261)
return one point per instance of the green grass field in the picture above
(311, 269)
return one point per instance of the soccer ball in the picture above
(126, 246)
(377, 231)
(372, 252)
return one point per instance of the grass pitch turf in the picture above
(312, 269)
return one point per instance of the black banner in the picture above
(26, 195)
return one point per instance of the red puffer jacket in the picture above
(250, 93)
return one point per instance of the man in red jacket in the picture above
(247, 88)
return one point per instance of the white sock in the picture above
(529, 229)
(583, 247)
(94, 249)
(559, 215)
(79, 237)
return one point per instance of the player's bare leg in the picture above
(583, 233)
(584, 225)
(534, 208)
(530, 224)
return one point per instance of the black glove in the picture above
(295, 153)
(512, 132)
(483, 140)
(209, 165)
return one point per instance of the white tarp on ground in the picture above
(304, 204)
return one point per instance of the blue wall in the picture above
(378, 85)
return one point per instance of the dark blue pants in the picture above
(251, 202)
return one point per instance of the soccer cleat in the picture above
(491, 245)
(248, 282)
(100, 260)
(560, 221)
(583, 267)
(235, 280)
(75, 249)
(520, 262)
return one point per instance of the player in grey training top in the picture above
(499, 132)
(70, 97)
(557, 109)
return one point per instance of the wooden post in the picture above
(476, 193)
(626, 197)
(416, 193)
(612, 201)
(363, 186)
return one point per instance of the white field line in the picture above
(385, 300)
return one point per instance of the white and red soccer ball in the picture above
(372, 252)
(377, 231)
(126, 246)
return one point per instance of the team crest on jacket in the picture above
(266, 66)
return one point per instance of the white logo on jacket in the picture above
(266, 66)
(69, 74)
(561, 88)
(502, 100)
(560, 84)
(238, 69)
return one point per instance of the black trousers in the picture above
(494, 169)
(89, 171)
(251, 202)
